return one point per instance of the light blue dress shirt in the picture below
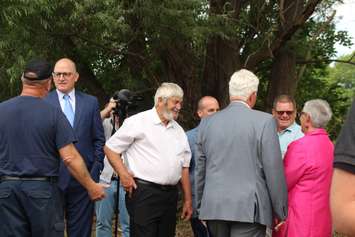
(192, 136)
(288, 135)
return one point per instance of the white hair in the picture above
(167, 90)
(243, 83)
(319, 111)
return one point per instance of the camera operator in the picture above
(106, 112)
(105, 208)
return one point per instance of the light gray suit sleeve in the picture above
(273, 169)
(200, 167)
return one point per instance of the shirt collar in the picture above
(241, 102)
(317, 131)
(71, 94)
(156, 119)
(291, 128)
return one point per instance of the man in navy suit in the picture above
(82, 112)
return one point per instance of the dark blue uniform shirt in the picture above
(31, 132)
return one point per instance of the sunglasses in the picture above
(289, 113)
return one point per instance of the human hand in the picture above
(112, 104)
(106, 112)
(97, 191)
(278, 226)
(186, 211)
(128, 182)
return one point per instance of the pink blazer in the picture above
(308, 168)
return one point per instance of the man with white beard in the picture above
(158, 157)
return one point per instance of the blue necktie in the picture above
(68, 110)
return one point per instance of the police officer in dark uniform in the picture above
(33, 135)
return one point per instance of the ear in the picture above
(273, 112)
(199, 113)
(308, 119)
(252, 99)
(49, 85)
(160, 101)
(76, 76)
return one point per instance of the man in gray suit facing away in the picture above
(239, 178)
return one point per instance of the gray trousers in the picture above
(221, 228)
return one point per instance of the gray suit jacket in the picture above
(239, 171)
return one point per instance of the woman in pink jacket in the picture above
(308, 168)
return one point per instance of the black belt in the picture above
(155, 185)
(114, 178)
(24, 178)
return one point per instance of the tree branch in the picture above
(281, 12)
(313, 42)
(282, 36)
(325, 61)
(352, 56)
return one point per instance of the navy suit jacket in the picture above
(89, 132)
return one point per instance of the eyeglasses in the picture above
(289, 113)
(64, 74)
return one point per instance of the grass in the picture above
(183, 229)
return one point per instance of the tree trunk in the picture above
(221, 61)
(87, 80)
(90, 84)
(222, 58)
(180, 67)
(283, 76)
(283, 72)
(136, 56)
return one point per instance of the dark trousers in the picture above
(30, 209)
(199, 229)
(220, 228)
(79, 211)
(152, 211)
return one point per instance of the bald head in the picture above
(207, 105)
(66, 62)
(65, 75)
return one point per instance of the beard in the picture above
(168, 114)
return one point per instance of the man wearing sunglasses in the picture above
(240, 187)
(284, 111)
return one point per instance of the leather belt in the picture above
(114, 177)
(155, 185)
(24, 178)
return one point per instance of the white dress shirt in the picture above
(71, 95)
(154, 152)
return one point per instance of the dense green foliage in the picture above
(137, 44)
(327, 84)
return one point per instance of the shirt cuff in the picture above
(345, 167)
(115, 149)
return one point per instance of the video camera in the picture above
(125, 100)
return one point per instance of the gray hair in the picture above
(319, 111)
(243, 83)
(167, 90)
(284, 99)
